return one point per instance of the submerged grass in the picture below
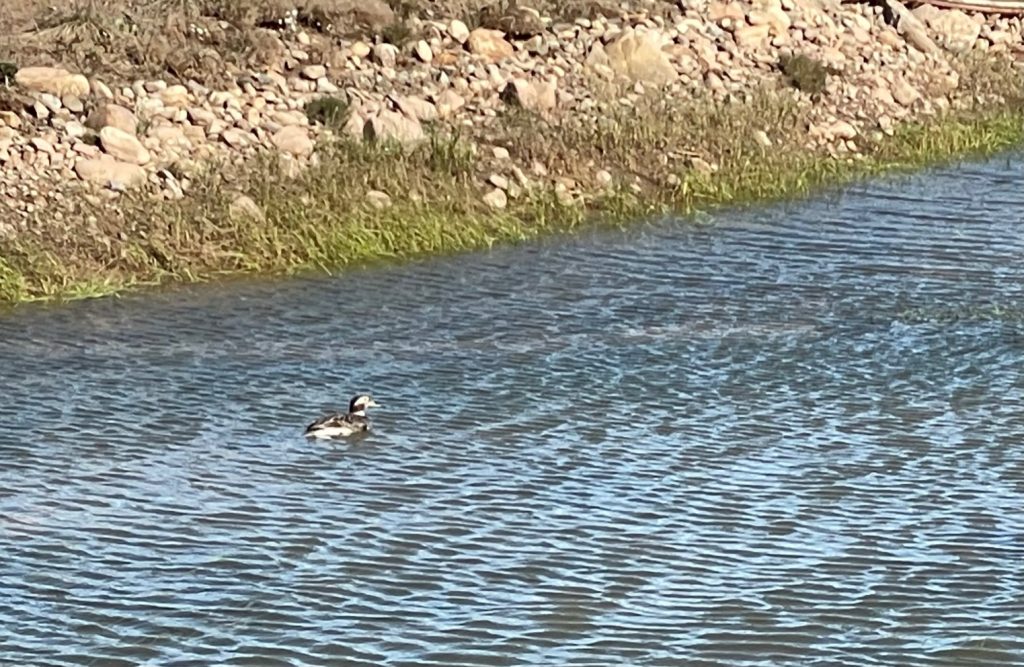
(664, 157)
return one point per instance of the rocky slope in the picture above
(68, 137)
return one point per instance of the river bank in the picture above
(159, 141)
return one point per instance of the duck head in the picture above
(359, 404)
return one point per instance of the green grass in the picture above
(322, 221)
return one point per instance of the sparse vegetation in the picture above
(7, 72)
(328, 111)
(177, 39)
(320, 220)
(398, 33)
(804, 73)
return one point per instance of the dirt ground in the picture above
(196, 39)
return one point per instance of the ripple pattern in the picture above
(677, 445)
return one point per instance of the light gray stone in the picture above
(123, 146)
(637, 57)
(109, 172)
(243, 207)
(293, 140)
(490, 45)
(531, 95)
(112, 115)
(496, 199)
(54, 80)
(393, 126)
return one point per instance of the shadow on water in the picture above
(792, 437)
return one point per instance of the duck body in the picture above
(339, 425)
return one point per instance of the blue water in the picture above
(792, 436)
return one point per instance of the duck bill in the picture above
(373, 404)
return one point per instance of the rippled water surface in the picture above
(792, 437)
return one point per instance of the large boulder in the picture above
(123, 146)
(538, 96)
(293, 140)
(112, 115)
(415, 107)
(393, 126)
(954, 30)
(911, 27)
(109, 172)
(53, 80)
(489, 44)
(637, 57)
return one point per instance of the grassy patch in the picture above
(331, 112)
(804, 73)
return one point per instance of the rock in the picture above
(54, 80)
(386, 54)
(889, 37)
(338, 15)
(773, 16)
(448, 103)
(243, 207)
(202, 117)
(51, 102)
(313, 72)
(536, 46)
(531, 95)
(42, 145)
(637, 57)
(112, 115)
(423, 51)
(123, 146)
(498, 181)
(511, 19)
(360, 49)
(954, 30)
(489, 44)
(354, 125)
(286, 118)
(761, 137)
(997, 37)
(603, 178)
(500, 153)
(234, 138)
(40, 111)
(172, 137)
(903, 93)
(415, 107)
(107, 171)
(700, 165)
(73, 104)
(751, 36)
(458, 31)
(101, 89)
(293, 140)
(946, 83)
(324, 85)
(174, 96)
(726, 12)
(10, 119)
(496, 199)
(378, 199)
(841, 130)
(392, 126)
(911, 27)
